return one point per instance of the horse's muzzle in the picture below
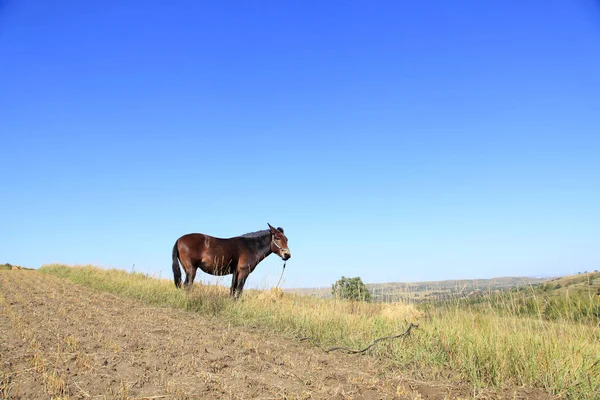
(286, 256)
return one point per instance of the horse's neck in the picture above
(262, 247)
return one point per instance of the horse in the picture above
(238, 255)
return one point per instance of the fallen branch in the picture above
(350, 351)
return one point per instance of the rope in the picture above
(282, 271)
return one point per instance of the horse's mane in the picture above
(256, 234)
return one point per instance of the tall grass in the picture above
(576, 304)
(490, 345)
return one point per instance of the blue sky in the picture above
(395, 141)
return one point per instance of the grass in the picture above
(574, 299)
(491, 342)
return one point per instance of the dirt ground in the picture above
(61, 340)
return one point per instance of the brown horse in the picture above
(238, 255)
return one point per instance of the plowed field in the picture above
(58, 339)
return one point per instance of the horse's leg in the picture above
(193, 274)
(234, 282)
(190, 275)
(241, 280)
(186, 269)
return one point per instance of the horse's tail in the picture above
(176, 269)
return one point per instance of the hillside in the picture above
(145, 338)
(64, 340)
(580, 284)
(61, 340)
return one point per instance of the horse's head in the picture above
(279, 243)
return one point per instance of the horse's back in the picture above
(191, 243)
(200, 245)
(190, 237)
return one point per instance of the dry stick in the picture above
(350, 351)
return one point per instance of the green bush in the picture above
(350, 289)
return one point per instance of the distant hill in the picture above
(581, 284)
(574, 298)
(7, 266)
(430, 290)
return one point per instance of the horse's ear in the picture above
(280, 229)
(270, 227)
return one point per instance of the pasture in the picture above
(80, 332)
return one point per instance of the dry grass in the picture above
(51, 377)
(489, 348)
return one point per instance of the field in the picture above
(86, 332)
(418, 292)
(67, 341)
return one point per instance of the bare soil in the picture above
(58, 339)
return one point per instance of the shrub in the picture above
(351, 289)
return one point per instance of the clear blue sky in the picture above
(395, 141)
